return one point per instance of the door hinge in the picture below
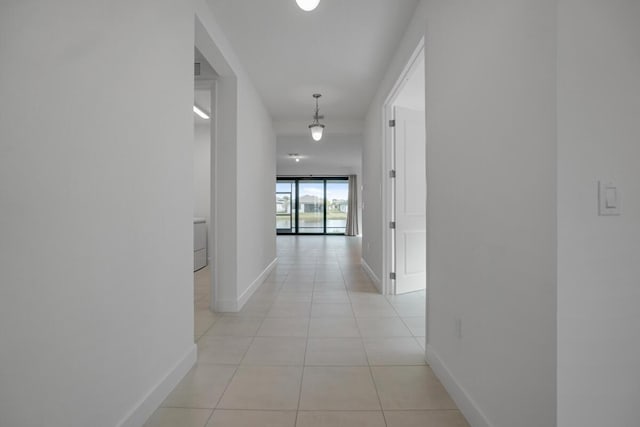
(392, 276)
(392, 225)
(392, 123)
(392, 173)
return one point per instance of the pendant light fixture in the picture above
(308, 5)
(316, 127)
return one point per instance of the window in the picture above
(312, 205)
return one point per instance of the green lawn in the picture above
(330, 215)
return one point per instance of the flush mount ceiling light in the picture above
(200, 112)
(308, 5)
(316, 127)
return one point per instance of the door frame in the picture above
(388, 197)
(222, 128)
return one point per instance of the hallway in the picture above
(315, 346)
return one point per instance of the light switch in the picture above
(608, 199)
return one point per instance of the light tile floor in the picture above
(315, 346)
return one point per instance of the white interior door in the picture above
(410, 201)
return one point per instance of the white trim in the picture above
(466, 404)
(233, 306)
(372, 275)
(402, 77)
(226, 306)
(152, 400)
(242, 300)
(214, 277)
(210, 41)
(388, 286)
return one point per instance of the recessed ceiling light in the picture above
(200, 112)
(295, 156)
(308, 5)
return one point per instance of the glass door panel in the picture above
(285, 202)
(337, 206)
(311, 206)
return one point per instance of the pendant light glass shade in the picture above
(316, 131)
(308, 5)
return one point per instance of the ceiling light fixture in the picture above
(200, 112)
(316, 127)
(295, 156)
(308, 5)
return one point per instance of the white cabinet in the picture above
(199, 243)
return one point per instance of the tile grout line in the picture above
(323, 269)
(362, 346)
(306, 347)
(375, 386)
(237, 367)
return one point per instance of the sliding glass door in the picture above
(311, 205)
(337, 206)
(285, 206)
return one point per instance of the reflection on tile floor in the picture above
(315, 346)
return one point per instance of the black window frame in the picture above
(295, 226)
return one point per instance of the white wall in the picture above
(491, 174)
(202, 170)
(96, 252)
(599, 268)
(491, 162)
(256, 208)
(372, 207)
(244, 173)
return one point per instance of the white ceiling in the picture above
(334, 155)
(341, 50)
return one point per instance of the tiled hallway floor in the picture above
(315, 346)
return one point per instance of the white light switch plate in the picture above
(608, 199)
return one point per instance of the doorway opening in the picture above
(204, 117)
(405, 189)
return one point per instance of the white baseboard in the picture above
(242, 300)
(152, 400)
(232, 306)
(376, 280)
(226, 306)
(465, 403)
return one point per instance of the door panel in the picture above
(285, 203)
(410, 201)
(311, 207)
(337, 206)
(415, 244)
